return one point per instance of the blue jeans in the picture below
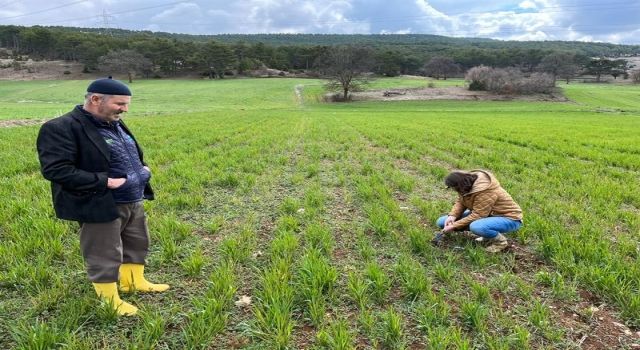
(488, 227)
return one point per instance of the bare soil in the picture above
(41, 70)
(20, 122)
(449, 93)
(54, 70)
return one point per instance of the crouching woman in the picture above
(483, 207)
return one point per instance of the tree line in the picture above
(164, 54)
(417, 43)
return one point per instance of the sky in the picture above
(616, 21)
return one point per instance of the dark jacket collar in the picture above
(87, 121)
(98, 122)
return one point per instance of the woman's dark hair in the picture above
(461, 182)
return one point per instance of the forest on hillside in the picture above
(167, 54)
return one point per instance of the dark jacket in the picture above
(75, 158)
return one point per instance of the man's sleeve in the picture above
(57, 153)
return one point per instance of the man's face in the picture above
(110, 107)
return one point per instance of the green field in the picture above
(322, 213)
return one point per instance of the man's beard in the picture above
(113, 115)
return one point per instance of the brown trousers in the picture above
(106, 245)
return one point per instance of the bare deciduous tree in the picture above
(635, 76)
(125, 61)
(560, 65)
(441, 67)
(346, 68)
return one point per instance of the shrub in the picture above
(503, 80)
(508, 81)
(478, 77)
(538, 82)
(476, 86)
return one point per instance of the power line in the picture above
(149, 7)
(45, 10)
(585, 7)
(118, 13)
(598, 7)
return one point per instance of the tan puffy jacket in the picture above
(486, 198)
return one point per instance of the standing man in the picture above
(99, 179)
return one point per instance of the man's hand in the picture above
(147, 168)
(112, 184)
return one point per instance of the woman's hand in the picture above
(449, 221)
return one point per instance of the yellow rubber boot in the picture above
(132, 278)
(108, 292)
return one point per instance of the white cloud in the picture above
(277, 16)
(153, 28)
(400, 31)
(180, 11)
(623, 37)
(537, 35)
(502, 19)
(577, 36)
(527, 4)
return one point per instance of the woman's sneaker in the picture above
(498, 244)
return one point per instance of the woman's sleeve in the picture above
(457, 209)
(482, 206)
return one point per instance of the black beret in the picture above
(109, 86)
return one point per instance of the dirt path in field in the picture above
(20, 122)
(298, 91)
(449, 93)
